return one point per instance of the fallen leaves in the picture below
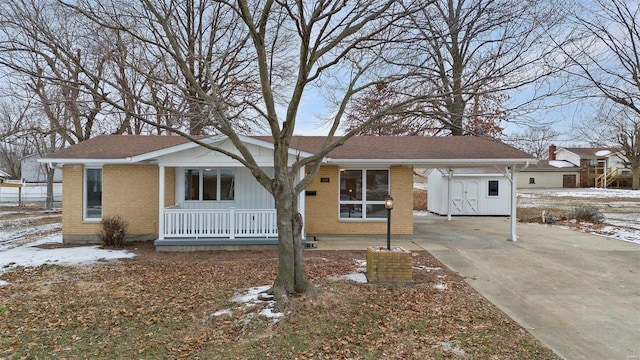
(180, 305)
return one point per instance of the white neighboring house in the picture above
(3, 176)
(597, 165)
(474, 191)
(33, 171)
(549, 174)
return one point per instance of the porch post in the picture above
(161, 186)
(514, 201)
(449, 177)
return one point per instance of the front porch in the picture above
(217, 227)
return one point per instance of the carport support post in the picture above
(449, 177)
(513, 177)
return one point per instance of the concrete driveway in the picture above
(577, 293)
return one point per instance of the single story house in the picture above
(598, 166)
(549, 174)
(33, 171)
(3, 176)
(181, 194)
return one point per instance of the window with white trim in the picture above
(92, 194)
(206, 184)
(362, 193)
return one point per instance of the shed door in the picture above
(464, 197)
(457, 197)
(471, 197)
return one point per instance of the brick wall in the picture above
(321, 211)
(74, 229)
(130, 191)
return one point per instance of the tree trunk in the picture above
(635, 177)
(291, 278)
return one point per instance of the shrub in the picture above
(114, 228)
(587, 213)
(419, 199)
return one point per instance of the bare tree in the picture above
(225, 64)
(617, 127)
(473, 53)
(534, 140)
(606, 64)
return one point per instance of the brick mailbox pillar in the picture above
(389, 266)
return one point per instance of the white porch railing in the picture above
(219, 223)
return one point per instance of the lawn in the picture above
(179, 305)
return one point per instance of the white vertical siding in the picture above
(248, 193)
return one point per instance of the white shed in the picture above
(473, 192)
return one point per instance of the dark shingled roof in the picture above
(117, 146)
(412, 147)
(358, 147)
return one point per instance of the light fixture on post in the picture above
(388, 204)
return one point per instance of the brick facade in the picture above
(130, 191)
(322, 210)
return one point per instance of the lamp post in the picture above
(388, 204)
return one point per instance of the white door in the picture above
(457, 196)
(471, 197)
(464, 197)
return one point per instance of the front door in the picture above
(464, 197)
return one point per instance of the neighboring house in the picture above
(598, 167)
(473, 192)
(549, 174)
(3, 176)
(33, 171)
(185, 196)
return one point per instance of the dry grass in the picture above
(161, 305)
(419, 199)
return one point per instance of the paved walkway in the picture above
(578, 293)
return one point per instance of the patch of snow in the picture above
(269, 313)
(3, 283)
(440, 287)
(251, 297)
(422, 213)
(561, 164)
(30, 255)
(618, 233)
(426, 268)
(228, 312)
(19, 235)
(357, 277)
(445, 345)
(582, 192)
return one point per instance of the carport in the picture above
(509, 168)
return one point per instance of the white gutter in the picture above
(434, 162)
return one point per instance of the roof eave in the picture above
(84, 161)
(436, 162)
